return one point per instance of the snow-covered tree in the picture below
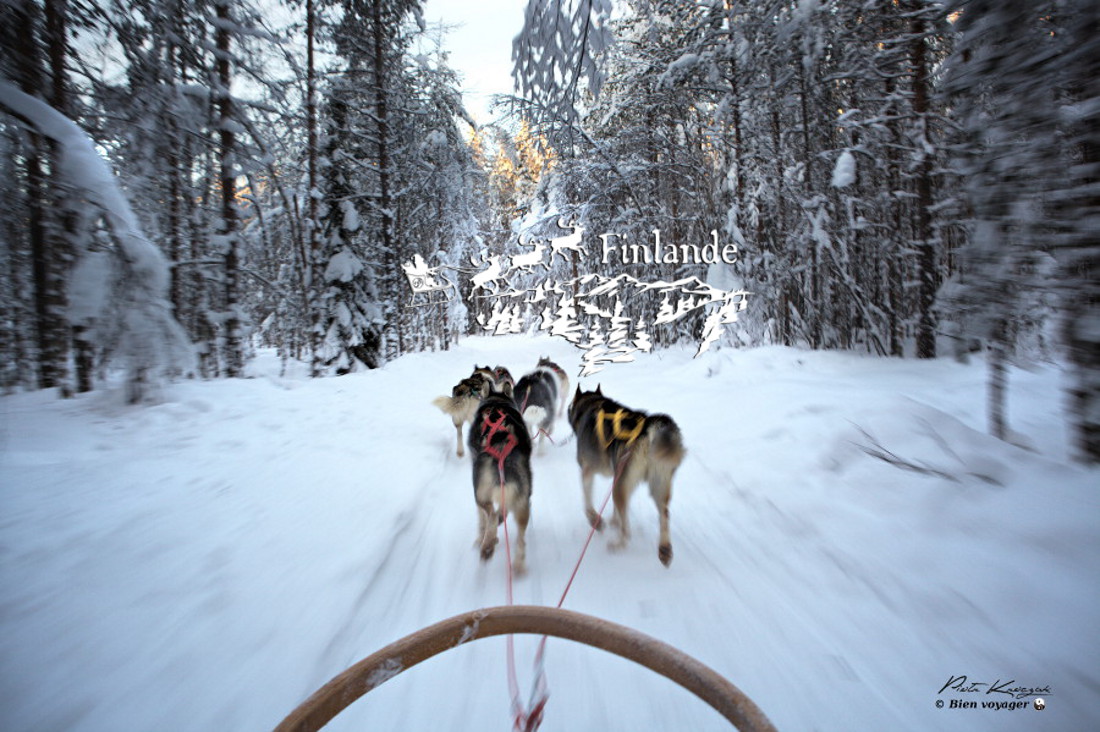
(118, 290)
(1077, 210)
(1024, 82)
(1005, 92)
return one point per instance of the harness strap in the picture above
(540, 690)
(529, 719)
(492, 425)
(558, 370)
(489, 430)
(619, 433)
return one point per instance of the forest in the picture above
(188, 181)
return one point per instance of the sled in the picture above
(374, 670)
(426, 281)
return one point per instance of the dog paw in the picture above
(519, 568)
(487, 549)
(664, 553)
(617, 545)
(594, 520)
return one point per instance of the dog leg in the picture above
(480, 525)
(594, 519)
(486, 518)
(487, 534)
(458, 431)
(522, 513)
(662, 495)
(620, 495)
(488, 537)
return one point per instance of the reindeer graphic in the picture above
(570, 242)
(493, 272)
(527, 262)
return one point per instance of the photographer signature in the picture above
(966, 686)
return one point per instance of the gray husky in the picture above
(465, 397)
(501, 451)
(630, 446)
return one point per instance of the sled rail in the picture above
(381, 666)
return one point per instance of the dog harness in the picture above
(555, 368)
(619, 432)
(502, 447)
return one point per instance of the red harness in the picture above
(521, 720)
(489, 429)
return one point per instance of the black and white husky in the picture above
(630, 446)
(541, 395)
(536, 395)
(562, 381)
(501, 450)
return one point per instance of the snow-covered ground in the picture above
(208, 562)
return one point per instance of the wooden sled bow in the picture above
(374, 670)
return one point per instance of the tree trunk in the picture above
(894, 285)
(926, 262)
(998, 381)
(389, 254)
(1082, 246)
(311, 287)
(814, 310)
(234, 356)
(49, 335)
(65, 244)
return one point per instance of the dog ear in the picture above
(598, 390)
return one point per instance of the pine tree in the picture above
(28, 68)
(1076, 209)
(1001, 78)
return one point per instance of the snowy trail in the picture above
(208, 562)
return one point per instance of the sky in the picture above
(480, 45)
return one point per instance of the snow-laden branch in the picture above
(147, 333)
(83, 169)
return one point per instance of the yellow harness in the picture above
(619, 433)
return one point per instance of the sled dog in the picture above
(630, 446)
(536, 395)
(463, 401)
(486, 373)
(501, 451)
(503, 376)
(562, 381)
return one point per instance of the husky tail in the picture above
(446, 404)
(534, 417)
